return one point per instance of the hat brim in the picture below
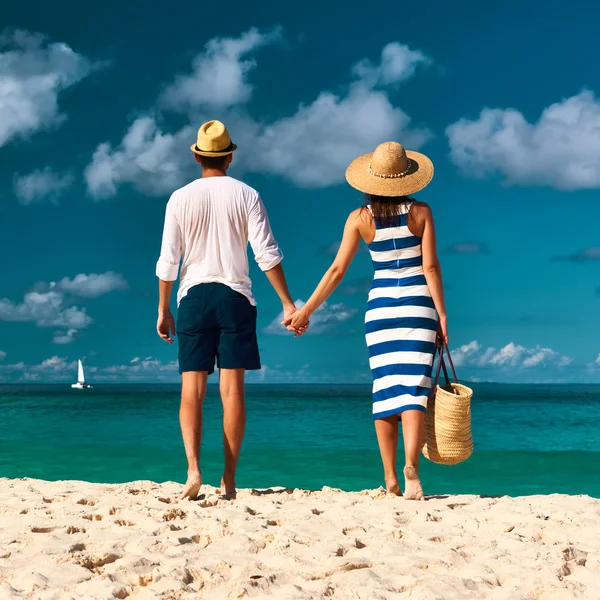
(195, 150)
(417, 178)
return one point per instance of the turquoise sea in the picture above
(529, 439)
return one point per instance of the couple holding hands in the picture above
(208, 224)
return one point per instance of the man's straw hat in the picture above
(390, 171)
(213, 140)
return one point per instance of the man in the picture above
(208, 225)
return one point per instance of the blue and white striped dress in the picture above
(400, 322)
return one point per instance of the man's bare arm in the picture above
(165, 325)
(276, 277)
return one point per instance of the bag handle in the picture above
(442, 364)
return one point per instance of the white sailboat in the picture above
(81, 384)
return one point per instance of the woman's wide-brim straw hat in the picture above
(213, 140)
(390, 171)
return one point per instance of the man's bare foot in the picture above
(412, 485)
(192, 486)
(228, 485)
(392, 486)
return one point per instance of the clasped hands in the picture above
(296, 320)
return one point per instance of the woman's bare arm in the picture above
(333, 275)
(432, 269)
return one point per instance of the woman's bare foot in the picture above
(192, 485)
(228, 485)
(392, 486)
(412, 485)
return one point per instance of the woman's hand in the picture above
(442, 330)
(298, 322)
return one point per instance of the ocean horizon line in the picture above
(288, 384)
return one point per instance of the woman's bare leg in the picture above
(193, 390)
(387, 436)
(234, 423)
(412, 432)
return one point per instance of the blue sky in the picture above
(98, 107)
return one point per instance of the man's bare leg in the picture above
(234, 423)
(193, 390)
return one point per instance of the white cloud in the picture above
(33, 73)
(64, 337)
(138, 369)
(510, 356)
(55, 368)
(142, 365)
(41, 184)
(56, 363)
(468, 248)
(323, 320)
(398, 63)
(46, 309)
(49, 305)
(2, 355)
(311, 148)
(219, 73)
(153, 161)
(92, 285)
(561, 150)
(597, 360)
(585, 255)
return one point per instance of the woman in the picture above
(401, 321)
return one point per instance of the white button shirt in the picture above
(208, 224)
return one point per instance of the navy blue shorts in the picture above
(216, 323)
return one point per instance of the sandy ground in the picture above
(71, 539)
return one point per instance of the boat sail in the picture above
(81, 384)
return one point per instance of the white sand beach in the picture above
(71, 539)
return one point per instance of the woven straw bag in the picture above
(448, 438)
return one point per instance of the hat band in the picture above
(391, 175)
(228, 149)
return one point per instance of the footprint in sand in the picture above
(93, 517)
(42, 529)
(95, 562)
(272, 523)
(348, 530)
(86, 501)
(123, 523)
(175, 513)
(72, 529)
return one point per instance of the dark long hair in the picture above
(386, 209)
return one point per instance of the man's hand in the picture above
(298, 322)
(166, 326)
(288, 314)
(288, 311)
